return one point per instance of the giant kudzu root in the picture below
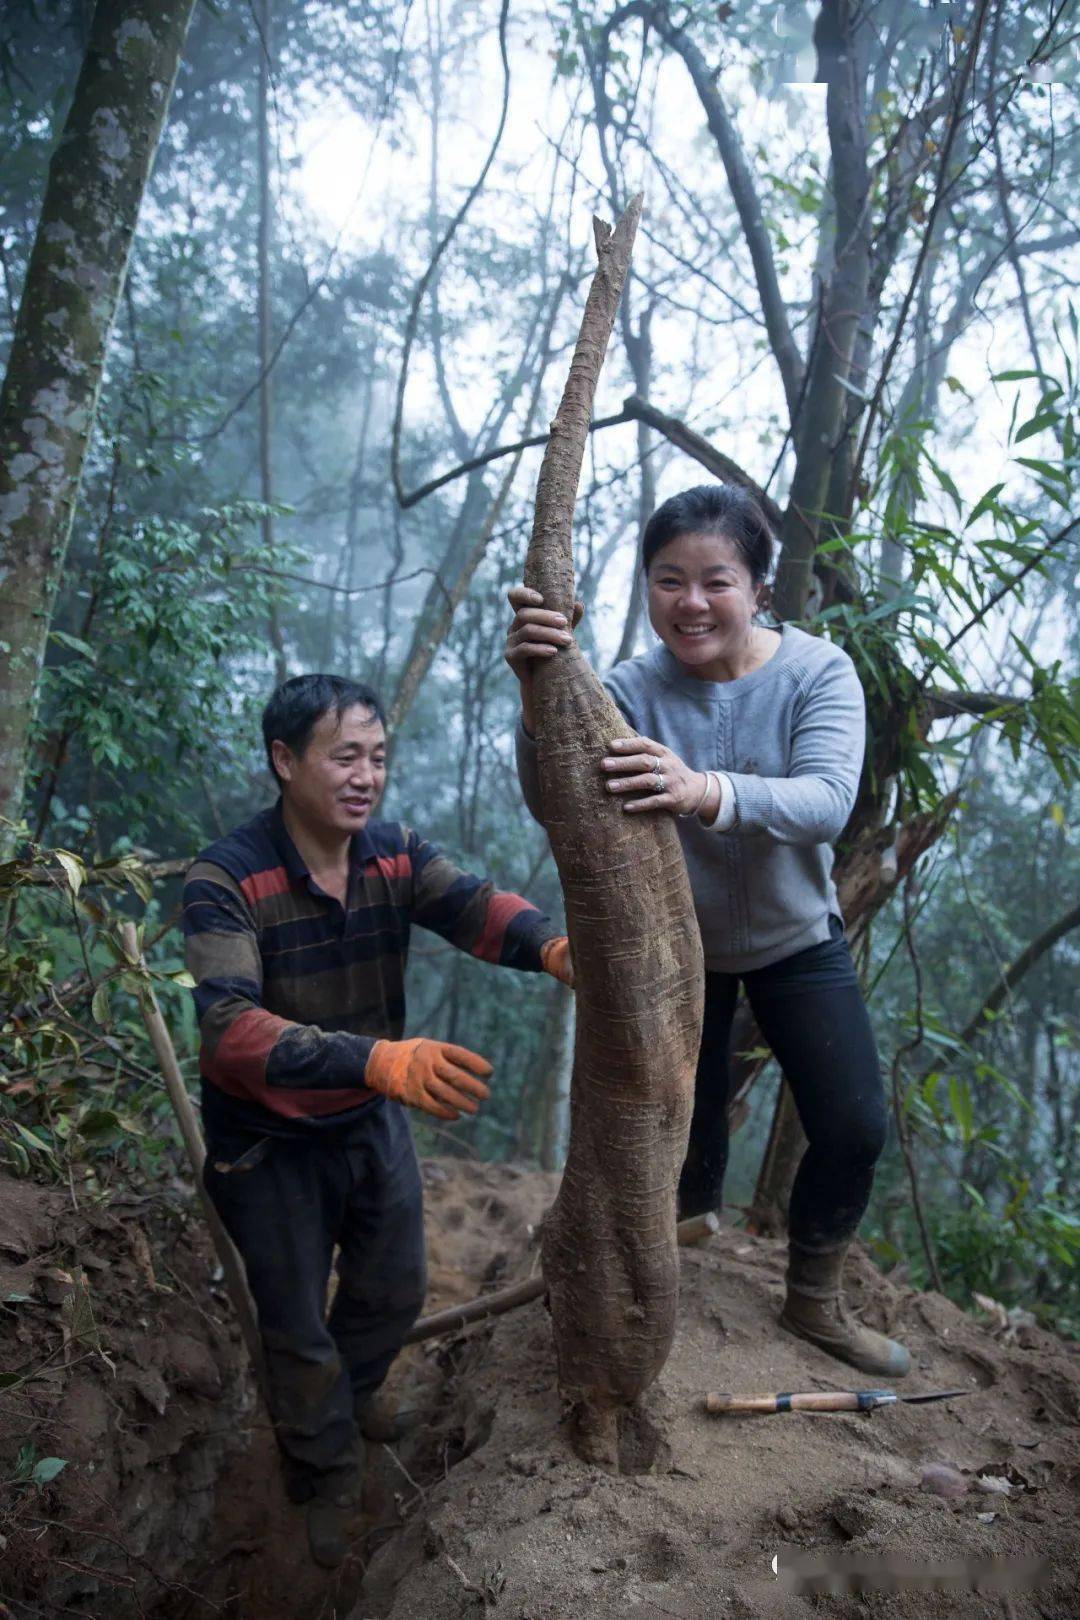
(609, 1246)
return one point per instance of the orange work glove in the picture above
(555, 958)
(432, 1075)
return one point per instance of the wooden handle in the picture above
(696, 1228)
(824, 1400)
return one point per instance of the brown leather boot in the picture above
(815, 1310)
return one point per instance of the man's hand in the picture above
(555, 959)
(433, 1075)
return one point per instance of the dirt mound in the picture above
(521, 1528)
(118, 1360)
(484, 1508)
(480, 1223)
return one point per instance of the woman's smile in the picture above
(702, 600)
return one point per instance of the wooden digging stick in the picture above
(235, 1281)
(689, 1232)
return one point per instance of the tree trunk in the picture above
(639, 348)
(609, 1246)
(818, 424)
(862, 889)
(818, 433)
(265, 321)
(49, 400)
(783, 1155)
(468, 542)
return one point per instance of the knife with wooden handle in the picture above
(820, 1400)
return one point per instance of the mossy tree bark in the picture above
(49, 399)
(609, 1244)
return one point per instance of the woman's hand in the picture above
(639, 765)
(535, 634)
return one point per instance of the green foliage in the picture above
(79, 1093)
(30, 1469)
(995, 1124)
(1026, 1253)
(156, 695)
(159, 655)
(905, 636)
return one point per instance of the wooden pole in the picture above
(232, 1266)
(693, 1230)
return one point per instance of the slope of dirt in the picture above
(521, 1528)
(480, 1221)
(171, 1502)
(117, 1356)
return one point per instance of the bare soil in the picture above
(484, 1508)
(118, 1356)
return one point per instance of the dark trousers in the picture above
(810, 1010)
(285, 1204)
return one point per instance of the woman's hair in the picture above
(721, 509)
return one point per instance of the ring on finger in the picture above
(659, 782)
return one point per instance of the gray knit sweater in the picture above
(790, 736)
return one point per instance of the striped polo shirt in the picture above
(293, 989)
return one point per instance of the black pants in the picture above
(810, 1010)
(286, 1203)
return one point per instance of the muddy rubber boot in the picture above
(815, 1310)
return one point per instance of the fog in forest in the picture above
(354, 289)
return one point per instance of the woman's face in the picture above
(702, 599)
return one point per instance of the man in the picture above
(297, 927)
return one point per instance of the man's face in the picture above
(338, 780)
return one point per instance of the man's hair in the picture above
(296, 707)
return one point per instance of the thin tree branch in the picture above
(692, 444)
(1004, 590)
(155, 871)
(425, 279)
(634, 410)
(741, 183)
(940, 194)
(944, 705)
(1002, 186)
(1016, 970)
(899, 1113)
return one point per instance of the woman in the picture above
(754, 738)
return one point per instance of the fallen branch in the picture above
(689, 1232)
(231, 1264)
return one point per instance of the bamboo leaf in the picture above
(1037, 424)
(985, 503)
